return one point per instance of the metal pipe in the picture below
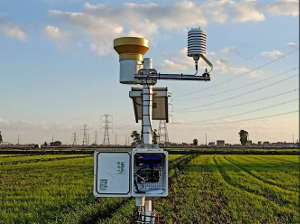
(147, 114)
(148, 211)
(172, 77)
(147, 107)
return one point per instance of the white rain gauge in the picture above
(143, 171)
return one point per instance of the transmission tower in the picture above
(74, 139)
(96, 137)
(85, 135)
(171, 106)
(107, 125)
(163, 132)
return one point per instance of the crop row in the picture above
(125, 213)
(213, 190)
(39, 192)
(202, 189)
(121, 213)
(42, 159)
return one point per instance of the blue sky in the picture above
(59, 71)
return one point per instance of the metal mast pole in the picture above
(147, 95)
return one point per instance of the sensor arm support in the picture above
(207, 62)
(172, 77)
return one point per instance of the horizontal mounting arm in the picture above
(205, 77)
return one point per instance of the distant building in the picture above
(56, 143)
(266, 143)
(211, 143)
(220, 143)
(249, 142)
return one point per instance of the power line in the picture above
(254, 118)
(244, 103)
(251, 111)
(249, 84)
(242, 94)
(248, 72)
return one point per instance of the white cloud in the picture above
(271, 54)
(10, 29)
(292, 44)
(223, 66)
(101, 23)
(180, 62)
(247, 10)
(284, 8)
(55, 33)
(173, 66)
(226, 50)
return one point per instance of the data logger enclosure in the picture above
(149, 172)
(137, 173)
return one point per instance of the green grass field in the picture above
(57, 189)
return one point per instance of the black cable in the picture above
(249, 84)
(255, 118)
(251, 111)
(248, 72)
(244, 103)
(241, 94)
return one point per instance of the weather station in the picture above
(143, 172)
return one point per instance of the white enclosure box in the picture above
(112, 174)
(149, 172)
(141, 172)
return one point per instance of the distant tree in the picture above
(195, 142)
(136, 137)
(1, 139)
(243, 137)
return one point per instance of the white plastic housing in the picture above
(112, 174)
(128, 68)
(196, 42)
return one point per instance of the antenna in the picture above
(107, 126)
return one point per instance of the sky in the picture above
(58, 69)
